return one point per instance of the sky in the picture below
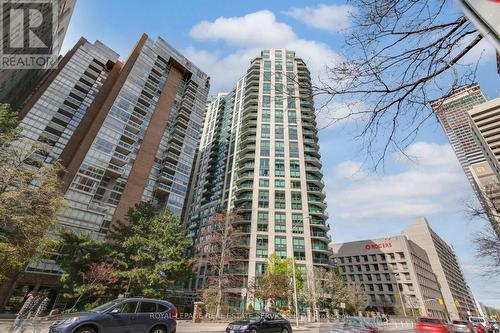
(221, 37)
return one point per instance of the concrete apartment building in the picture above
(259, 155)
(16, 85)
(453, 113)
(485, 122)
(457, 296)
(395, 273)
(125, 131)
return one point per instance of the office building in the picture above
(126, 132)
(16, 85)
(457, 296)
(259, 156)
(394, 272)
(453, 113)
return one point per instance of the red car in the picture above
(432, 325)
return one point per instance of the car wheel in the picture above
(158, 329)
(253, 330)
(284, 330)
(86, 329)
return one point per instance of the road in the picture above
(189, 327)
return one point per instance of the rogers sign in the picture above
(378, 246)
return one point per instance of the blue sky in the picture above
(221, 37)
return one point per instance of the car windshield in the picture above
(460, 322)
(477, 320)
(105, 306)
(429, 320)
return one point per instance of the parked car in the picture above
(480, 321)
(461, 326)
(360, 324)
(429, 324)
(264, 322)
(126, 315)
(496, 326)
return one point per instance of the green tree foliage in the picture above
(327, 289)
(29, 198)
(150, 251)
(145, 256)
(275, 284)
(79, 253)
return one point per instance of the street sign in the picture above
(342, 305)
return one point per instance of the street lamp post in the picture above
(295, 290)
(400, 295)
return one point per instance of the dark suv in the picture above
(125, 315)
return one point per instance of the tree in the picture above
(487, 241)
(357, 298)
(96, 281)
(30, 197)
(327, 287)
(399, 55)
(79, 253)
(220, 248)
(149, 251)
(276, 281)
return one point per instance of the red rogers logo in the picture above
(377, 246)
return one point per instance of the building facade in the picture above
(260, 157)
(394, 272)
(457, 296)
(472, 152)
(125, 132)
(16, 85)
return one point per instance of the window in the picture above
(261, 253)
(267, 76)
(279, 200)
(294, 149)
(265, 130)
(296, 200)
(260, 268)
(294, 169)
(295, 184)
(266, 88)
(265, 55)
(266, 100)
(298, 223)
(278, 88)
(279, 243)
(278, 116)
(279, 132)
(128, 307)
(266, 115)
(279, 168)
(263, 217)
(264, 182)
(292, 117)
(298, 243)
(279, 222)
(279, 183)
(264, 148)
(263, 199)
(262, 241)
(147, 307)
(279, 149)
(292, 133)
(264, 167)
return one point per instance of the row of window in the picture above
(372, 257)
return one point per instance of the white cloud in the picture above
(251, 33)
(331, 18)
(259, 28)
(430, 182)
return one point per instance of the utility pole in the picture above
(400, 295)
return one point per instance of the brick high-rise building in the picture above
(259, 155)
(126, 132)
